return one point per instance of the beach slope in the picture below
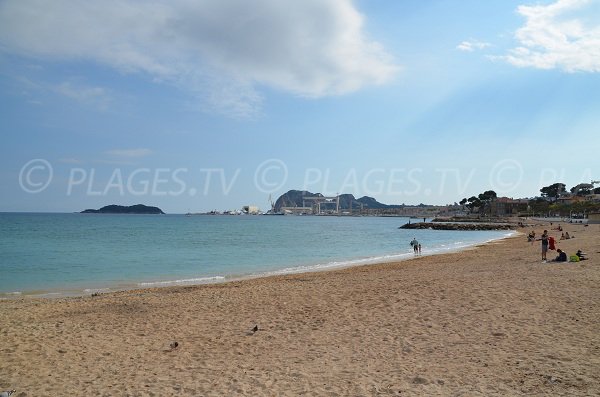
(493, 320)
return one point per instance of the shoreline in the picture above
(221, 279)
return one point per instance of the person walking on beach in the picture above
(544, 239)
(415, 244)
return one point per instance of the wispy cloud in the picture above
(130, 153)
(563, 35)
(219, 51)
(74, 89)
(96, 96)
(70, 160)
(472, 45)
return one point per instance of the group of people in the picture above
(565, 236)
(416, 246)
(548, 243)
(562, 256)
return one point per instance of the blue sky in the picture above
(194, 106)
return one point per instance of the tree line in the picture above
(547, 204)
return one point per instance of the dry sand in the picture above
(488, 321)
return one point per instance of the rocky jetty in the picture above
(457, 226)
(467, 219)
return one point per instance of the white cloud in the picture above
(219, 50)
(472, 45)
(130, 153)
(562, 35)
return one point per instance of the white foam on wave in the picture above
(337, 264)
(95, 290)
(10, 295)
(187, 281)
(49, 295)
(441, 249)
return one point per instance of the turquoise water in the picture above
(43, 254)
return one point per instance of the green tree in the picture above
(553, 191)
(488, 196)
(539, 205)
(474, 202)
(583, 190)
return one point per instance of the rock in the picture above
(252, 331)
(551, 379)
(417, 380)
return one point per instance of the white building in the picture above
(250, 209)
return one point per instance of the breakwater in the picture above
(457, 226)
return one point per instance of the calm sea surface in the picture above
(62, 254)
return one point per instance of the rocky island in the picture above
(120, 209)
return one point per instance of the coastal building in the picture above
(594, 218)
(571, 199)
(250, 209)
(505, 206)
(297, 210)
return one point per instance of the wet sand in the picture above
(493, 320)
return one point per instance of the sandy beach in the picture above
(493, 320)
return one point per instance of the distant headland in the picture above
(120, 209)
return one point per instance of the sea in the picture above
(56, 255)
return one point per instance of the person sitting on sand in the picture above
(562, 236)
(582, 255)
(567, 236)
(562, 256)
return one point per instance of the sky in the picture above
(215, 104)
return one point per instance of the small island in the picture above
(120, 209)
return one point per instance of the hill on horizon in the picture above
(294, 198)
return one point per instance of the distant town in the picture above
(580, 202)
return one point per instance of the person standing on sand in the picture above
(544, 240)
